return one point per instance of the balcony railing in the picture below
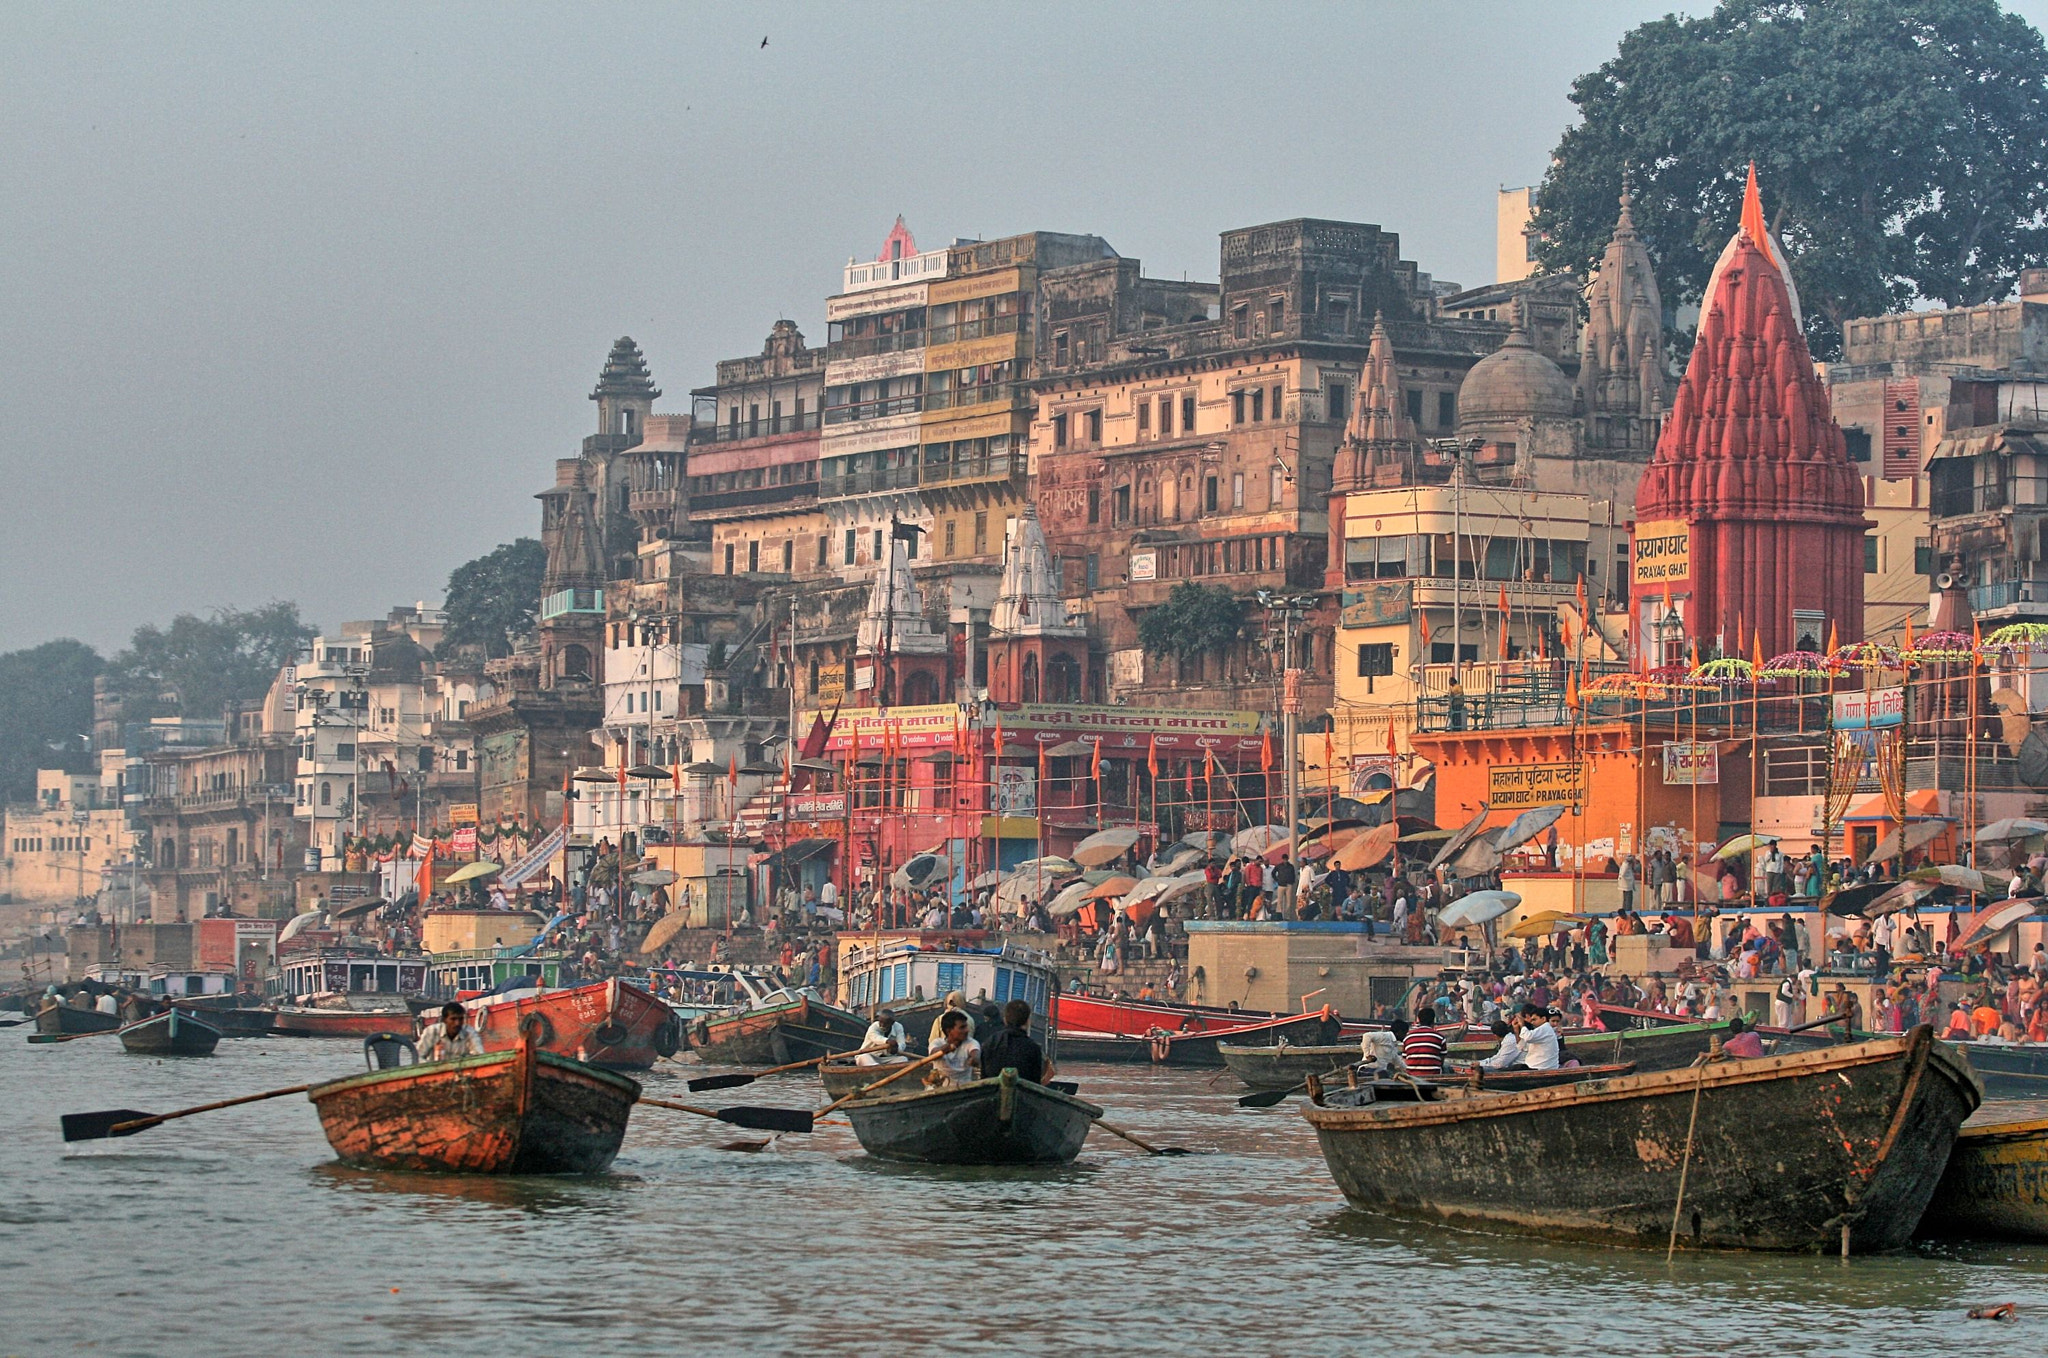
(751, 496)
(958, 398)
(973, 469)
(874, 410)
(864, 346)
(738, 431)
(572, 601)
(2006, 593)
(968, 330)
(867, 483)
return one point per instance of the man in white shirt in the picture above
(959, 1060)
(1509, 1052)
(449, 1039)
(882, 1045)
(1381, 1049)
(1539, 1040)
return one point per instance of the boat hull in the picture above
(608, 1023)
(1785, 1151)
(1996, 1184)
(236, 1022)
(1286, 1067)
(1193, 1049)
(841, 1080)
(171, 1034)
(62, 1018)
(342, 1022)
(2009, 1072)
(1003, 1121)
(778, 1036)
(524, 1111)
(1139, 1018)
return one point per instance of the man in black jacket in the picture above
(1014, 1049)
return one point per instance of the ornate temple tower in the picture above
(1621, 363)
(1379, 444)
(903, 657)
(1036, 651)
(1749, 515)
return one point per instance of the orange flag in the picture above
(1152, 755)
(1425, 628)
(425, 881)
(1584, 612)
(1753, 216)
(1266, 752)
(1909, 633)
(1095, 762)
(622, 772)
(1756, 649)
(1209, 772)
(1504, 600)
(1571, 690)
(1667, 596)
(732, 770)
(1833, 643)
(1044, 768)
(1330, 751)
(1393, 748)
(1503, 638)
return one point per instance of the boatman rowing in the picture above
(883, 1043)
(451, 1039)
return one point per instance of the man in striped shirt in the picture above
(1423, 1049)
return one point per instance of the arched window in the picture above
(1027, 689)
(1062, 680)
(326, 793)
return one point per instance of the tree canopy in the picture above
(1194, 619)
(45, 712)
(196, 665)
(1901, 145)
(495, 599)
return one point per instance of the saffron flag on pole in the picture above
(1152, 756)
(1266, 752)
(1908, 644)
(1833, 642)
(1095, 762)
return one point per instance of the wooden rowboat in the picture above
(171, 1034)
(1838, 1148)
(524, 1111)
(1000, 1121)
(1649, 1049)
(62, 1018)
(1193, 1049)
(1285, 1067)
(296, 1022)
(609, 1023)
(843, 1078)
(778, 1034)
(1996, 1184)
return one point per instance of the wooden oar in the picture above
(1142, 1145)
(918, 1064)
(129, 1121)
(759, 1119)
(1267, 1098)
(698, 1086)
(43, 1039)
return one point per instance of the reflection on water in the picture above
(685, 1247)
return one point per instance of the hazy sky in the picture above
(302, 302)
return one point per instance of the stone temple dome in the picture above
(1514, 382)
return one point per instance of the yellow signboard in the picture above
(462, 813)
(1520, 786)
(1663, 552)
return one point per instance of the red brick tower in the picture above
(1749, 514)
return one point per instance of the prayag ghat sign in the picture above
(1663, 552)
(1527, 785)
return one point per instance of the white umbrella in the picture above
(300, 924)
(1481, 856)
(1743, 844)
(2012, 827)
(1185, 884)
(1149, 889)
(1526, 827)
(1258, 839)
(986, 880)
(921, 870)
(1465, 835)
(1208, 841)
(1997, 919)
(1919, 834)
(1106, 846)
(1955, 874)
(1480, 907)
(1176, 863)
(1070, 899)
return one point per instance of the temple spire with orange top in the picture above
(1753, 216)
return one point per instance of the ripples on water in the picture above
(235, 1233)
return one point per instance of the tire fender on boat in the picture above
(669, 1036)
(611, 1034)
(542, 1027)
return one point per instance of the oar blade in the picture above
(768, 1119)
(703, 1083)
(1267, 1098)
(99, 1126)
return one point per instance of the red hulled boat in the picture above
(297, 1022)
(523, 1111)
(1143, 1018)
(606, 1023)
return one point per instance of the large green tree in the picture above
(1193, 619)
(1902, 148)
(45, 712)
(495, 599)
(195, 665)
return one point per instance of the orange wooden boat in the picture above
(606, 1023)
(298, 1022)
(523, 1111)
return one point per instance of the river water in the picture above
(235, 1233)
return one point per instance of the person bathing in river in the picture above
(1013, 1047)
(451, 1038)
(883, 1043)
(959, 1054)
